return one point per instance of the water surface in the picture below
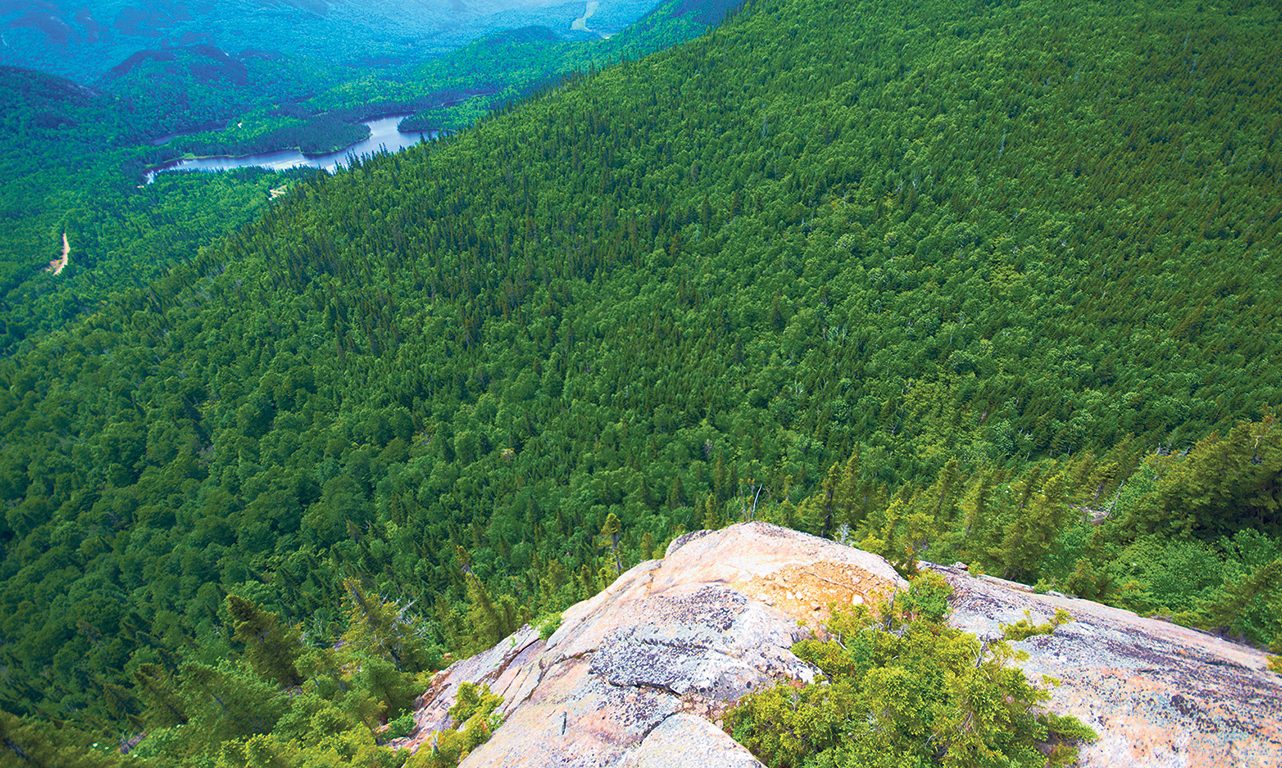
(384, 136)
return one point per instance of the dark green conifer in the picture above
(270, 648)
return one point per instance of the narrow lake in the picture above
(384, 135)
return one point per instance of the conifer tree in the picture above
(270, 648)
(610, 534)
(227, 702)
(808, 515)
(647, 546)
(977, 516)
(381, 628)
(676, 492)
(483, 616)
(162, 706)
(711, 514)
(121, 704)
(848, 501)
(720, 484)
(943, 492)
(1030, 536)
(824, 515)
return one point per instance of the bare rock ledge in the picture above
(637, 676)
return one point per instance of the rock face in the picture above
(1156, 693)
(636, 676)
(633, 676)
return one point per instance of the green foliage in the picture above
(1025, 628)
(999, 256)
(380, 629)
(226, 702)
(548, 625)
(157, 691)
(489, 620)
(400, 727)
(474, 721)
(233, 713)
(270, 649)
(1073, 523)
(902, 688)
(1222, 485)
(611, 534)
(29, 744)
(927, 600)
(327, 749)
(1249, 606)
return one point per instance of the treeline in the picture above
(1193, 535)
(318, 135)
(263, 698)
(980, 242)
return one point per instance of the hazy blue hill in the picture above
(83, 39)
(707, 11)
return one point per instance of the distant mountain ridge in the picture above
(82, 38)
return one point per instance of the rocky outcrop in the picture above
(637, 676)
(634, 676)
(1157, 694)
(684, 740)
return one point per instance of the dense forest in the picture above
(988, 281)
(500, 69)
(74, 155)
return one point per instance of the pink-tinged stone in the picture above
(1159, 695)
(637, 676)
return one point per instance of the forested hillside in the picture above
(982, 245)
(74, 157)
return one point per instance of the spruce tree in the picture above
(610, 534)
(848, 501)
(711, 515)
(382, 629)
(227, 702)
(270, 648)
(483, 616)
(158, 691)
(1032, 533)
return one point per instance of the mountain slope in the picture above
(982, 232)
(73, 158)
